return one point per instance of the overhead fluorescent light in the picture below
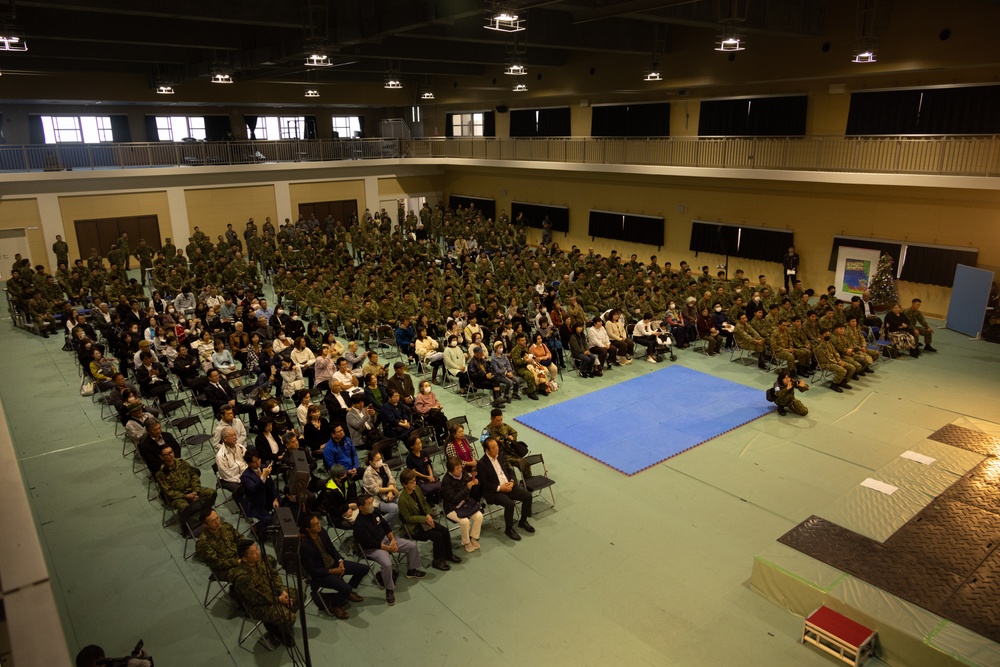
(520, 88)
(504, 20)
(164, 90)
(318, 60)
(516, 69)
(730, 43)
(312, 93)
(393, 84)
(12, 43)
(729, 40)
(427, 95)
(222, 78)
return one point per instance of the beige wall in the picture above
(408, 185)
(212, 209)
(301, 193)
(17, 213)
(814, 212)
(90, 207)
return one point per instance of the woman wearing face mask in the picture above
(429, 407)
(708, 333)
(268, 445)
(455, 360)
(271, 411)
(721, 321)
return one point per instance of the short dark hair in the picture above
(243, 547)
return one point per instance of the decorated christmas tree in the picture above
(883, 285)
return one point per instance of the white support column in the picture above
(371, 196)
(180, 229)
(283, 203)
(51, 217)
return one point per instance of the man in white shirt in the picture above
(344, 376)
(227, 419)
(229, 460)
(600, 344)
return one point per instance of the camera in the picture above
(137, 658)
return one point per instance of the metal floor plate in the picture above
(945, 559)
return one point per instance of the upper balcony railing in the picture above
(61, 157)
(970, 155)
(948, 155)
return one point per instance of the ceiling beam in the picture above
(268, 13)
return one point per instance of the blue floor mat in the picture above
(644, 421)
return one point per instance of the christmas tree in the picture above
(883, 285)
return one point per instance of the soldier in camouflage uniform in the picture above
(144, 253)
(217, 545)
(521, 369)
(180, 483)
(796, 359)
(262, 594)
(919, 325)
(40, 312)
(847, 352)
(829, 360)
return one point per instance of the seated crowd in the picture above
(490, 313)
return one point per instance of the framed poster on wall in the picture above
(855, 269)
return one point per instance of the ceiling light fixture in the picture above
(516, 69)
(520, 88)
(318, 60)
(870, 18)
(427, 95)
(12, 43)
(653, 74)
(222, 78)
(864, 55)
(504, 19)
(164, 90)
(392, 83)
(312, 93)
(729, 40)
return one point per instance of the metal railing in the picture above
(973, 155)
(60, 157)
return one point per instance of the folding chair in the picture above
(743, 356)
(256, 629)
(191, 526)
(429, 439)
(215, 580)
(221, 491)
(537, 483)
(198, 439)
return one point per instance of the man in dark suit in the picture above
(500, 488)
(403, 383)
(337, 403)
(155, 440)
(790, 262)
(218, 393)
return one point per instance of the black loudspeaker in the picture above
(298, 476)
(288, 535)
(502, 108)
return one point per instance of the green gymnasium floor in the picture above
(645, 570)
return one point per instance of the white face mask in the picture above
(453, 343)
(739, 289)
(275, 410)
(295, 317)
(280, 311)
(672, 306)
(427, 390)
(718, 309)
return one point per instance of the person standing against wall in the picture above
(791, 264)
